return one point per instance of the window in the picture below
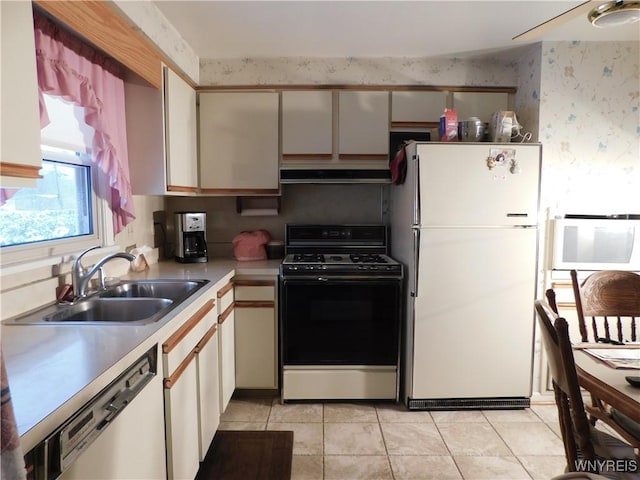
(59, 207)
(68, 210)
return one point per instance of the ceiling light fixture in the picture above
(613, 14)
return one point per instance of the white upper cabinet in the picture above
(239, 142)
(162, 136)
(180, 133)
(363, 125)
(479, 104)
(417, 109)
(21, 158)
(307, 124)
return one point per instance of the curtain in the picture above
(70, 68)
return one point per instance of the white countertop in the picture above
(54, 369)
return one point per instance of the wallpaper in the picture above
(590, 126)
(359, 71)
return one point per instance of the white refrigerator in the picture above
(464, 223)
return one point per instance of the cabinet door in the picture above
(479, 104)
(180, 134)
(208, 389)
(417, 109)
(227, 356)
(21, 159)
(181, 421)
(239, 142)
(363, 124)
(307, 125)
(256, 362)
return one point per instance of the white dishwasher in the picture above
(118, 434)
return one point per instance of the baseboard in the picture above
(504, 403)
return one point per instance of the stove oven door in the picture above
(335, 321)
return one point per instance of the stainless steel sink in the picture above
(171, 289)
(131, 302)
(110, 310)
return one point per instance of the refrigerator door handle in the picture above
(416, 262)
(416, 190)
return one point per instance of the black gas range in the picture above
(340, 312)
(338, 250)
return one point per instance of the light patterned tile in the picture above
(247, 410)
(350, 413)
(473, 439)
(353, 439)
(242, 426)
(491, 468)
(459, 416)
(530, 438)
(307, 437)
(307, 467)
(547, 413)
(504, 416)
(543, 467)
(296, 412)
(413, 439)
(347, 467)
(424, 467)
(398, 413)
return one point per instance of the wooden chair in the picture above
(611, 300)
(582, 441)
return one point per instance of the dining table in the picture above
(608, 383)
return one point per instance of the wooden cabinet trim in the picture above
(240, 191)
(224, 290)
(224, 315)
(173, 378)
(178, 188)
(207, 336)
(254, 304)
(182, 332)
(18, 170)
(254, 283)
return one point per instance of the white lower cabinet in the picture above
(208, 389)
(181, 417)
(256, 334)
(186, 368)
(226, 344)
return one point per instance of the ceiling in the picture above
(370, 29)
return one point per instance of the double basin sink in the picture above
(130, 302)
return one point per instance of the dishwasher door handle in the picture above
(118, 403)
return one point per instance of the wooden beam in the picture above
(103, 26)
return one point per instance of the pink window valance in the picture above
(75, 71)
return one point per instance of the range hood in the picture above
(335, 175)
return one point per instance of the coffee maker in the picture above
(191, 237)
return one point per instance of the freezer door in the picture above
(460, 185)
(474, 319)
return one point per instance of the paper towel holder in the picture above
(258, 206)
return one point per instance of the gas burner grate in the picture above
(367, 258)
(308, 258)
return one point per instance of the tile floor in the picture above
(354, 441)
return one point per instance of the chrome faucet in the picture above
(80, 276)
